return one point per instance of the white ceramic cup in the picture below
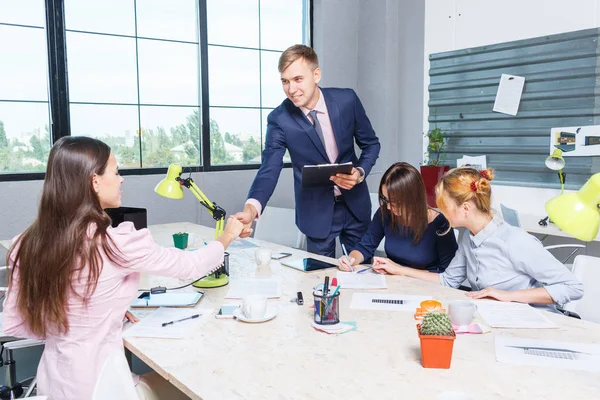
(254, 306)
(263, 256)
(461, 312)
(453, 396)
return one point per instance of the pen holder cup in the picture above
(224, 269)
(180, 240)
(327, 308)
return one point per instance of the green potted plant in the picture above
(433, 168)
(437, 340)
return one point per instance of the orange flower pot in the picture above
(436, 351)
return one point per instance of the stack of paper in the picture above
(386, 301)
(336, 329)
(512, 315)
(152, 325)
(367, 280)
(548, 353)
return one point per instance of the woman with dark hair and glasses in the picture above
(74, 277)
(416, 236)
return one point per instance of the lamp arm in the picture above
(218, 213)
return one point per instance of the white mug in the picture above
(461, 312)
(254, 306)
(263, 256)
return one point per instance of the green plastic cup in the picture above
(180, 240)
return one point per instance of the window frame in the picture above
(58, 92)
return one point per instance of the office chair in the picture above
(12, 388)
(511, 217)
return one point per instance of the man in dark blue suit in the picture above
(317, 126)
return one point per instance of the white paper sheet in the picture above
(242, 287)
(509, 94)
(241, 244)
(548, 353)
(386, 301)
(366, 280)
(512, 315)
(151, 325)
(478, 162)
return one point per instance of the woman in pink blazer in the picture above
(74, 276)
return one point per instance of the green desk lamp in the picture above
(556, 162)
(577, 213)
(172, 188)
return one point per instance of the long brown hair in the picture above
(406, 194)
(68, 234)
(466, 184)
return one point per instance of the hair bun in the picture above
(487, 173)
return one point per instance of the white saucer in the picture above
(270, 314)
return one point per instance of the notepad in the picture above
(177, 299)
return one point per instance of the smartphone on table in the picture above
(226, 311)
(279, 256)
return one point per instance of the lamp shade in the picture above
(577, 213)
(170, 186)
(555, 161)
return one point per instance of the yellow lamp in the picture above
(577, 213)
(556, 162)
(172, 188)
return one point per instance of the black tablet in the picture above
(308, 264)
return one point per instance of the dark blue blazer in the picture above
(289, 129)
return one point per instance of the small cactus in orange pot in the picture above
(437, 340)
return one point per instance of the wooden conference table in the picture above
(286, 358)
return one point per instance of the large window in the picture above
(24, 113)
(245, 40)
(188, 81)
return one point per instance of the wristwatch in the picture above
(361, 173)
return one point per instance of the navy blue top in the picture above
(433, 252)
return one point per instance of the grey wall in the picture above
(19, 200)
(377, 48)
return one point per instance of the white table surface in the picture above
(286, 358)
(531, 224)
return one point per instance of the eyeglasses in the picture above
(384, 200)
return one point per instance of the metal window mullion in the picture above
(57, 69)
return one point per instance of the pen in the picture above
(325, 291)
(347, 257)
(179, 320)
(363, 270)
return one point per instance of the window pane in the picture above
(281, 23)
(170, 134)
(272, 90)
(117, 126)
(106, 16)
(168, 73)
(25, 76)
(101, 68)
(234, 136)
(173, 19)
(24, 12)
(24, 136)
(233, 22)
(233, 77)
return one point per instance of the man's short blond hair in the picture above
(295, 52)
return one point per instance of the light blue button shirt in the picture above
(508, 258)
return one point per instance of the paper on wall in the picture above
(478, 162)
(509, 93)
